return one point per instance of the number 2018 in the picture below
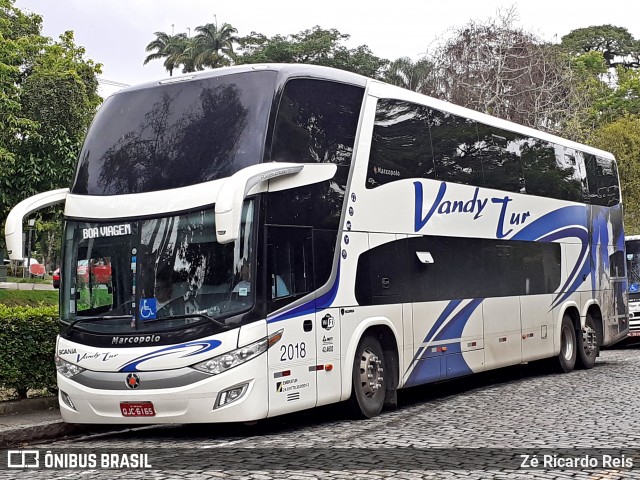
(291, 351)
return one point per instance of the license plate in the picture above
(633, 334)
(137, 409)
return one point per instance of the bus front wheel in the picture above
(368, 377)
(566, 360)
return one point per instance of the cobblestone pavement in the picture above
(471, 428)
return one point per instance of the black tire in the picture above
(367, 400)
(588, 344)
(566, 359)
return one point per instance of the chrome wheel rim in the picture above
(589, 340)
(370, 373)
(567, 343)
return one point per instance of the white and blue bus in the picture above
(256, 240)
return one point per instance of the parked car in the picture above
(100, 271)
(56, 278)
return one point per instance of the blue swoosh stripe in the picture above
(205, 346)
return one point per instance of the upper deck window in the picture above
(176, 134)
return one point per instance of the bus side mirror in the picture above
(279, 175)
(13, 226)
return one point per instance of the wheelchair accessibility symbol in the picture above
(148, 308)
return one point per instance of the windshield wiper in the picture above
(103, 317)
(190, 315)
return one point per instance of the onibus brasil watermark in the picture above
(72, 460)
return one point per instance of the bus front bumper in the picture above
(198, 402)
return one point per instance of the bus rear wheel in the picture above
(588, 344)
(566, 360)
(369, 383)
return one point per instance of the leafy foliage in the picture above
(28, 338)
(48, 96)
(214, 45)
(622, 138)
(169, 47)
(211, 47)
(404, 73)
(316, 46)
(617, 45)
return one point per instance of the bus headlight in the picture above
(226, 361)
(67, 369)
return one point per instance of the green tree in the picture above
(214, 45)
(170, 47)
(19, 40)
(621, 98)
(404, 73)
(49, 96)
(622, 138)
(617, 45)
(316, 46)
(601, 94)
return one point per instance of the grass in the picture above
(28, 280)
(32, 298)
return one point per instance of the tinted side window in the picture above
(551, 170)
(499, 152)
(401, 145)
(602, 181)
(316, 123)
(617, 264)
(461, 268)
(290, 265)
(454, 141)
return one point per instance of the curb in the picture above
(28, 404)
(39, 431)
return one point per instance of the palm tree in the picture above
(169, 47)
(412, 76)
(214, 45)
(188, 57)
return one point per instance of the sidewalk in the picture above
(23, 421)
(26, 286)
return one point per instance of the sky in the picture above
(116, 32)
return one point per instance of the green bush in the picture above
(27, 347)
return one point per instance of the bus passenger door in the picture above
(292, 361)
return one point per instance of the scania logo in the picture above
(132, 381)
(135, 340)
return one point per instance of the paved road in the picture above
(472, 428)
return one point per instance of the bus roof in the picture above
(377, 88)
(286, 69)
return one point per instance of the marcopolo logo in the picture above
(135, 340)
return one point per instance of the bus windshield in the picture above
(633, 267)
(155, 274)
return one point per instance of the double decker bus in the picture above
(632, 246)
(281, 237)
